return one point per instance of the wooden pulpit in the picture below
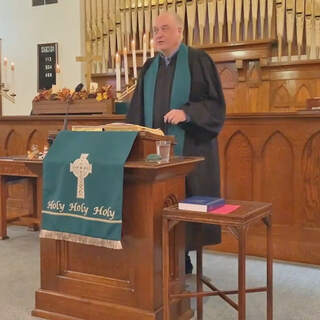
(87, 282)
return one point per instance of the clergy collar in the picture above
(168, 59)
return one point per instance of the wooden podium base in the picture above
(94, 283)
(58, 307)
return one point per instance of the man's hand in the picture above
(175, 116)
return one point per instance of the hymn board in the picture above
(47, 61)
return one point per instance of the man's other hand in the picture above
(175, 116)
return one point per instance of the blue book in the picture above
(202, 204)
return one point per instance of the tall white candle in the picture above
(144, 59)
(134, 59)
(151, 48)
(118, 73)
(58, 77)
(5, 72)
(13, 81)
(125, 61)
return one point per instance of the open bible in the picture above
(118, 126)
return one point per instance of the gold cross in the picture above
(88, 59)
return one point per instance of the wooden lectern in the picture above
(88, 282)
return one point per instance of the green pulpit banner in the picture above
(83, 187)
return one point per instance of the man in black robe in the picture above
(201, 117)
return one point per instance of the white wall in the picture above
(23, 27)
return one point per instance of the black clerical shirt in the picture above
(162, 94)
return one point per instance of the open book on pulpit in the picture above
(144, 146)
(119, 126)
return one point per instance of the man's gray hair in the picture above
(175, 16)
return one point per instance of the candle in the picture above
(13, 82)
(118, 74)
(144, 59)
(58, 78)
(5, 73)
(134, 59)
(151, 48)
(126, 71)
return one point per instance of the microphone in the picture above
(69, 101)
(78, 87)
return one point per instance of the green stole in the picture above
(179, 94)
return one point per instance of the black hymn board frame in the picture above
(47, 61)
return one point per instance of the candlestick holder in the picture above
(4, 92)
(123, 95)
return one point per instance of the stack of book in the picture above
(201, 204)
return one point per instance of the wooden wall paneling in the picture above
(281, 100)
(14, 141)
(305, 89)
(285, 170)
(277, 176)
(239, 166)
(264, 97)
(229, 78)
(35, 138)
(311, 183)
(317, 84)
(253, 82)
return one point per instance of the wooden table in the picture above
(237, 222)
(19, 166)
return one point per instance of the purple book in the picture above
(202, 204)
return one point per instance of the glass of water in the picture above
(163, 150)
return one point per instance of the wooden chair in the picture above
(237, 222)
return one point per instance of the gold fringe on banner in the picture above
(111, 244)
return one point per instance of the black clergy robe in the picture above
(206, 112)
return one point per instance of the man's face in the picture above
(166, 33)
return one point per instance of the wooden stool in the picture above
(237, 223)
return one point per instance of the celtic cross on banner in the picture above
(81, 168)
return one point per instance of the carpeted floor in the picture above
(296, 287)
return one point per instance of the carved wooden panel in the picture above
(305, 89)
(311, 181)
(278, 176)
(238, 168)
(229, 80)
(281, 97)
(275, 158)
(13, 142)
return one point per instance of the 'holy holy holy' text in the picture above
(81, 208)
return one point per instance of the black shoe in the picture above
(189, 266)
